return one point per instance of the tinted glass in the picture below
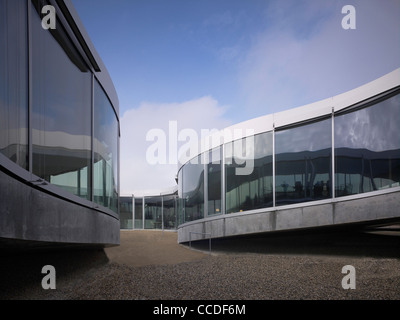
(106, 135)
(126, 212)
(303, 163)
(153, 213)
(252, 190)
(180, 201)
(214, 182)
(13, 81)
(61, 113)
(169, 212)
(367, 148)
(138, 213)
(193, 189)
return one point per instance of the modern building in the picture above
(152, 211)
(335, 162)
(59, 130)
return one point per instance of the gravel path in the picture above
(104, 274)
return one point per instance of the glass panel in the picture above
(214, 182)
(169, 211)
(180, 200)
(126, 212)
(153, 213)
(138, 213)
(193, 189)
(106, 135)
(254, 190)
(61, 113)
(14, 81)
(367, 148)
(303, 163)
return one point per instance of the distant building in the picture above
(151, 211)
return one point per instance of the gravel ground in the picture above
(224, 275)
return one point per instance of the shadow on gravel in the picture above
(21, 272)
(355, 243)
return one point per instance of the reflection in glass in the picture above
(106, 135)
(13, 81)
(180, 201)
(169, 212)
(138, 213)
(251, 191)
(193, 189)
(367, 148)
(61, 113)
(303, 163)
(214, 181)
(153, 213)
(126, 211)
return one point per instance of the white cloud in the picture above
(137, 175)
(305, 55)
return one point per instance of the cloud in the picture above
(305, 55)
(138, 176)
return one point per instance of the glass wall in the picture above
(160, 212)
(367, 158)
(180, 201)
(61, 112)
(138, 213)
(126, 212)
(106, 133)
(367, 148)
(303, 158)
(193, 189)
(13, 81)
(255, 189)
(214, 181)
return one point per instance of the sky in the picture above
(207, 64)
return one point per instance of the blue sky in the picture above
(209, 64)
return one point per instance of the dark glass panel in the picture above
(169, 212)
(180, 200)
(254, 190)
(14, 81)
(367, 148)
(193, 189)
(138, 213)
(61, 114)
(126, 211)
(106, 135)
(214, 181)
(153, 213)
(303, 163)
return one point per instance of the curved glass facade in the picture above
(105, 148)
(56, 120)
(193, 189)
(351, 151)
(62, 89)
